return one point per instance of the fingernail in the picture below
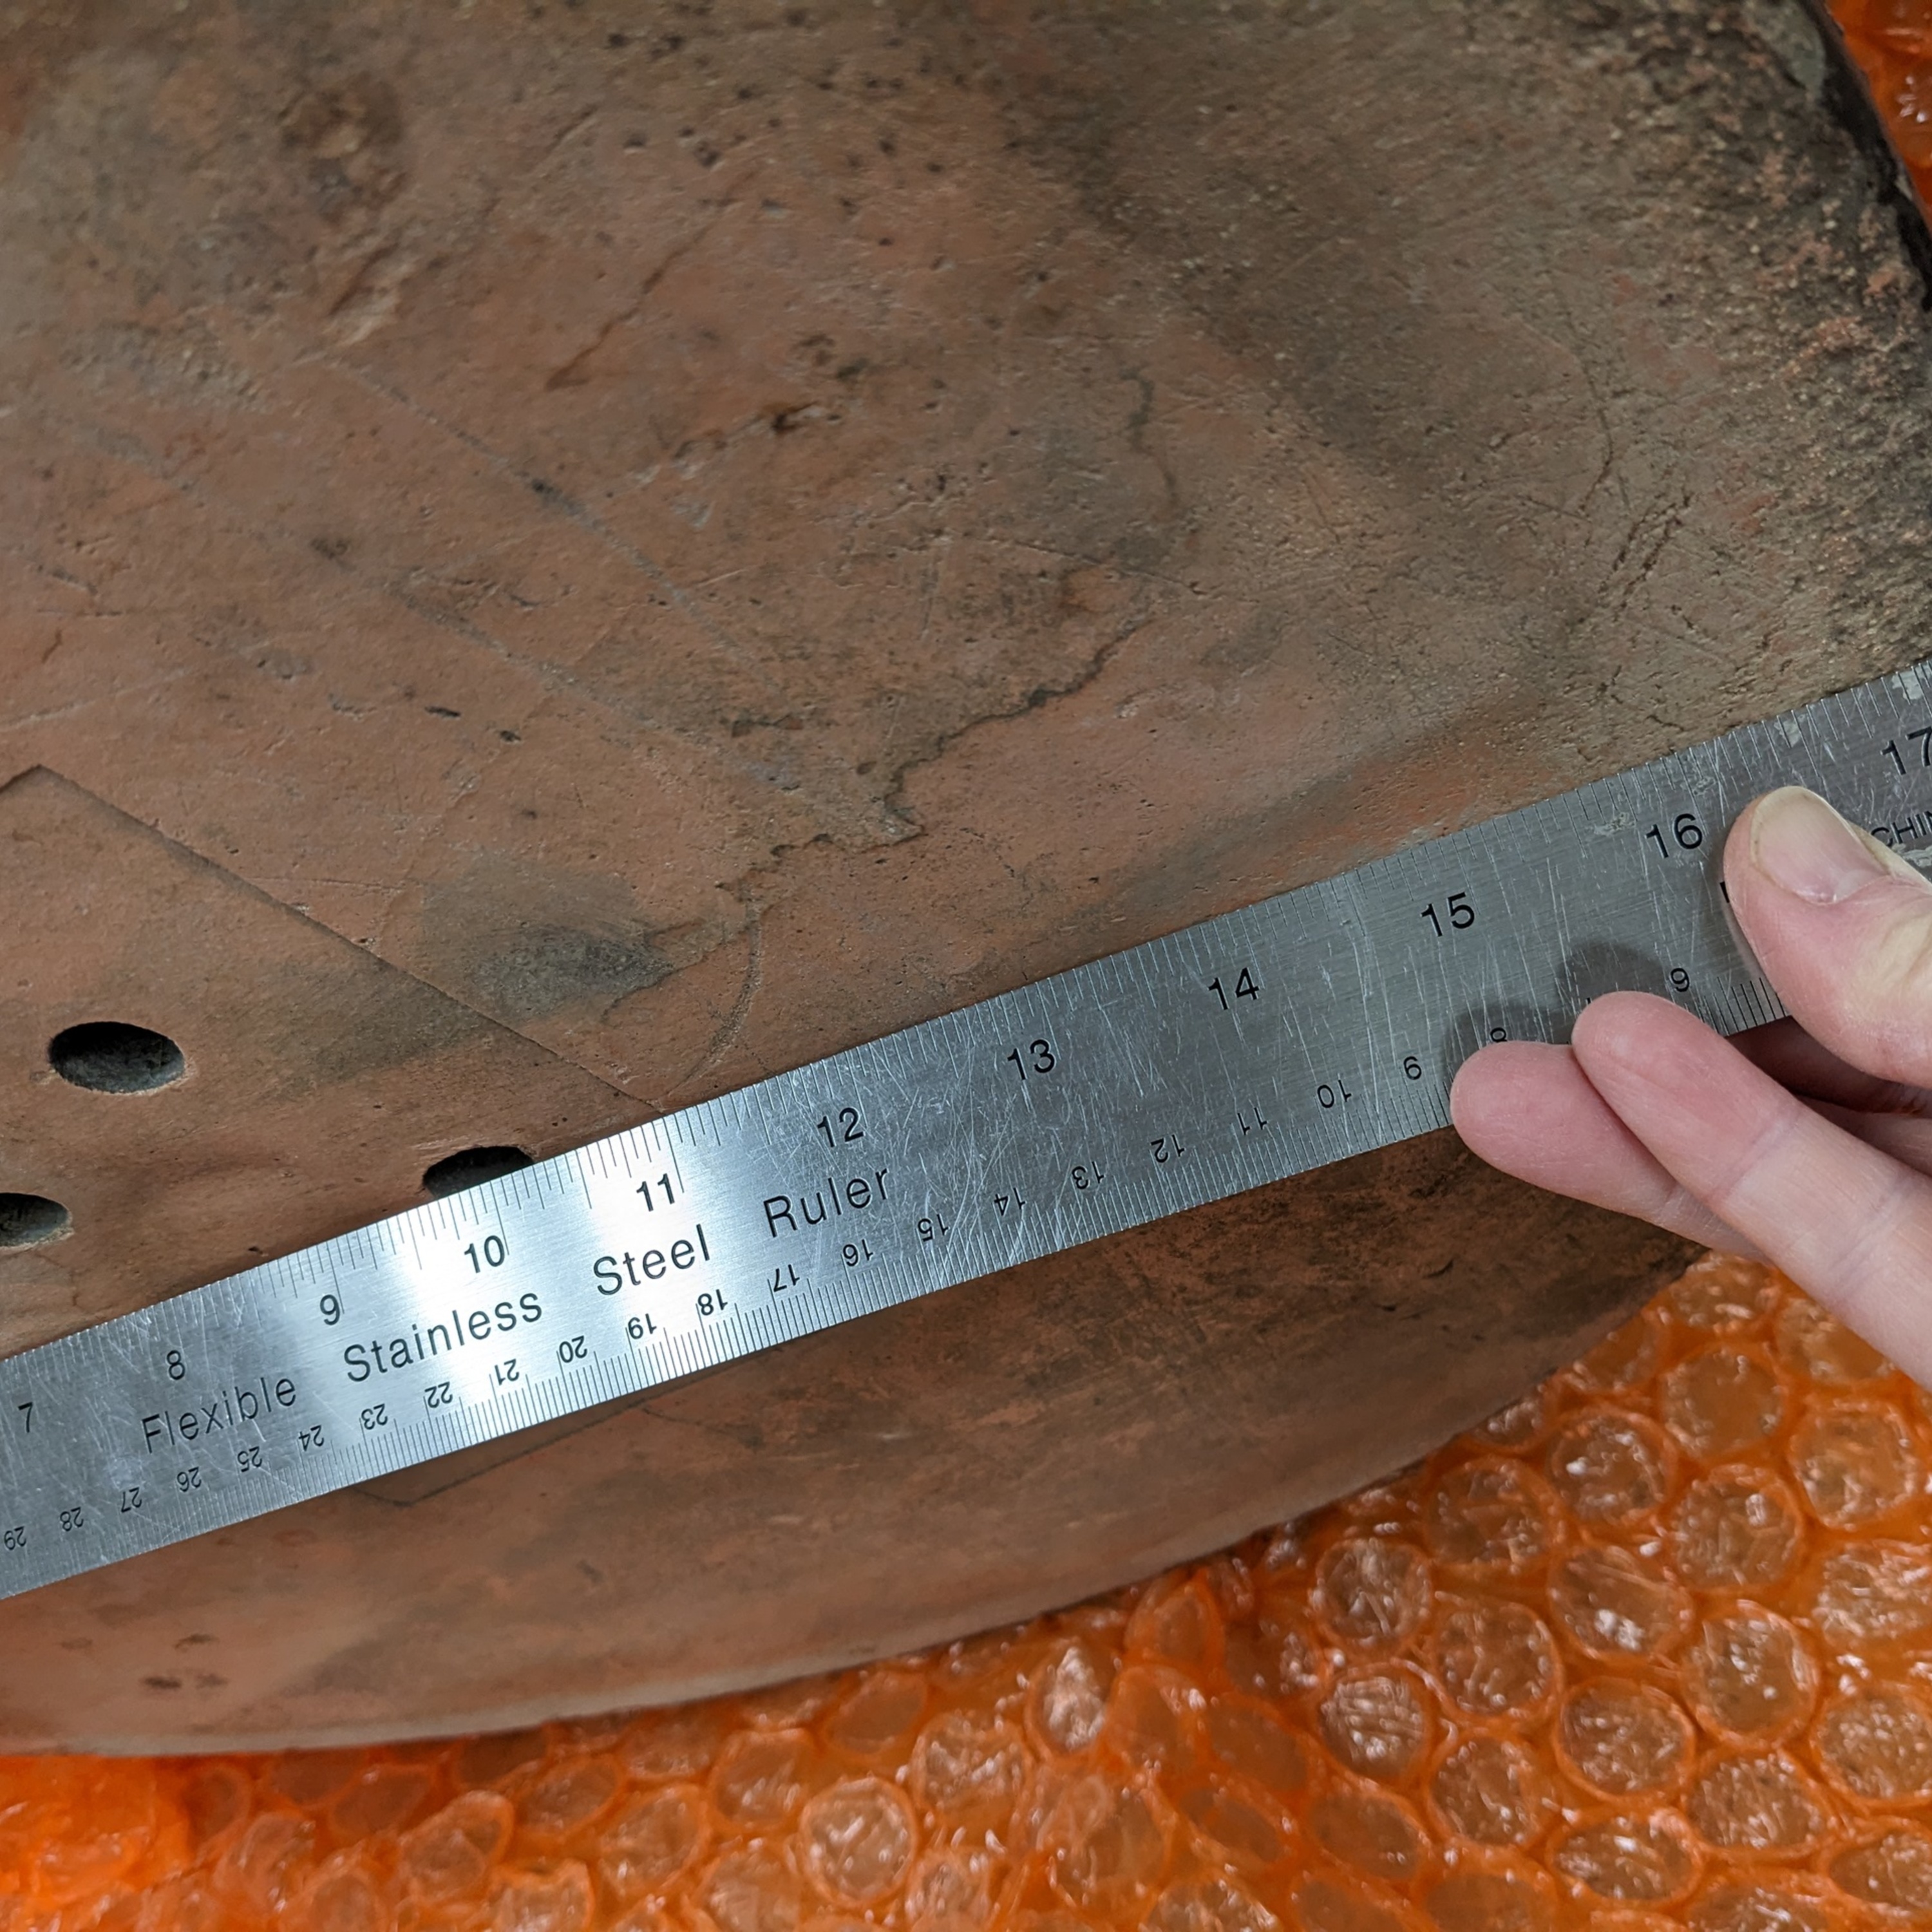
(1798, 842)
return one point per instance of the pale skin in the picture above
(1808, 1143)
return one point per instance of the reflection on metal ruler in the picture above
(1252, 1046)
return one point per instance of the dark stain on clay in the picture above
(525, 943)
(349, 132)
(547, 967)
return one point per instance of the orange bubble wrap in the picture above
(1891, 41)
(1654, 1646)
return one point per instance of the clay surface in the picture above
(694, 536)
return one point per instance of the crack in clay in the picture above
(564, 377)
(1138, 420)
(728, 1031)
(1037, 699)
(1669, 520)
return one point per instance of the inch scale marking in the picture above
(1254, 1045)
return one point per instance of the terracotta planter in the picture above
(558, 563)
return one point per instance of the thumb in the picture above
(1842, 927)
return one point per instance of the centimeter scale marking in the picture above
(1252, 1046)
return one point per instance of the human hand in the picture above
(1808, 1143)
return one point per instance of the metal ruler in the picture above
(1252, 1046)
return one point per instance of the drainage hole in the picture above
(111, 1056)
(471, 1167)
(26, 1220)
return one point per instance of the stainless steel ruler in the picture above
(1252, 1046)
